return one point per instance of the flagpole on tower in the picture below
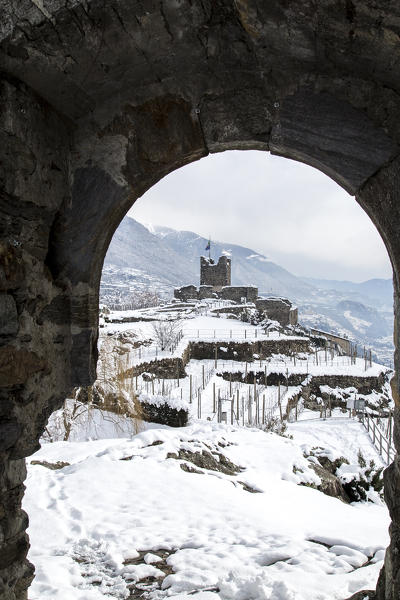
(208, 247)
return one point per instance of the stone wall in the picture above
(278, 309)
(364, 385)
(233, 293)
(237, 293)
(186, 292)
(336, 340)
(245, 351)
(293, 316)
(217, 274)
(206, 291)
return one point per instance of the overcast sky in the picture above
(292, 213)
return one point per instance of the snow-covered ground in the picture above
(165, 513)
(122, 513)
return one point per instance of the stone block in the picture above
(206, 291)
(8, 315)
(11, 267)
(16, 366)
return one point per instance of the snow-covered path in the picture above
(100, 524)
(339, 434)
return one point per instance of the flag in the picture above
(208, 245)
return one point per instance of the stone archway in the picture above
(99, 100)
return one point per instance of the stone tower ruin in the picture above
(217, 275)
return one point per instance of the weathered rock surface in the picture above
(206, 460)
(363, 595)
(330, 484)
(99, 101)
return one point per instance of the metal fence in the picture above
(381, 438)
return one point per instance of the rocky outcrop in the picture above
(164, 414)
(330, 484)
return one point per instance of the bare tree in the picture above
(165, 333)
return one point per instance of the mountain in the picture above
(134, 247)
(248, 267)
(161, 258)
(171, 258)
(372, 291)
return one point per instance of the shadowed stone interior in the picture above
(99, 100)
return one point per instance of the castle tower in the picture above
(218, 275)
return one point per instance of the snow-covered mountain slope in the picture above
(136, 516)
(134, 247)
(375, 292)
(161, 258)
(248, 267)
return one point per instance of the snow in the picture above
(259, 257)
(340, 435)
(120, 499)
(124, 513)
(359, 324)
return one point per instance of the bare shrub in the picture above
(165, 333)
(110, 399)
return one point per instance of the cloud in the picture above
(290, 212)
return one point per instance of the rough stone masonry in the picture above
(99, 100)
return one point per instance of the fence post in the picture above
(203, 376)
(279, 400)
(216, 354)
(199, 405)
(190, 388)
(214, 406)
(263, 410)
(232, 404)
(237, 405)
(249, 408)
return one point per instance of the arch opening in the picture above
(271, 384)
(102, 101)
